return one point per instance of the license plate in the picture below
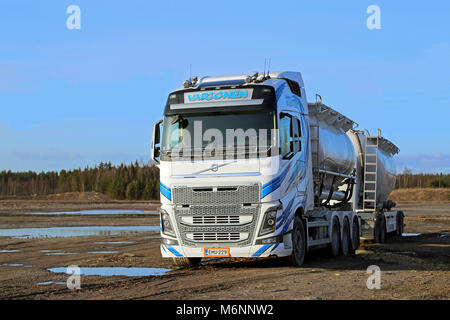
(216, 252)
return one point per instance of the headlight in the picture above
(269, 221)
(166, 226)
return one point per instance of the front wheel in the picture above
(298, 242)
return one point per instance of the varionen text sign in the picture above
(218, 95)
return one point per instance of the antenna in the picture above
(265, 60)
(190, 72)
(268, 68)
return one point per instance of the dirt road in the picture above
(413, 267)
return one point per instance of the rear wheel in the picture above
(380, 229)
(383, 231)
(187, 262)
(345, 241)
(298, 242)
(400, 223)
(355, 236)
(335, 238)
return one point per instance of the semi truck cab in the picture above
(245, 172)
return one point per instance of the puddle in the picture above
(114, 242)
(17, 265)
(13, 265)
(48, 283)
(50, 250)
(410, 234)
(99, 212)
(103, 251)
(8, 251)
(60, 253)
(115, 271)
(26, 233)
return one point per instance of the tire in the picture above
(345, 241)
(187, 262)
(383, 231)
(400, 224)
(380, 229)
(355, 236)
(335, 238)
(298, 242)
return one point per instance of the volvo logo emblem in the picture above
(215, 167)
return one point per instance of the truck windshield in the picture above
(248, 134)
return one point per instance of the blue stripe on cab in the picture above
(274, 184)
(165, 191)
(175, 252)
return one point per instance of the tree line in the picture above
(407, 179)
(136, 181)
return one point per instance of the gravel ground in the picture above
(413, 267)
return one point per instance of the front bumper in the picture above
(254, 251)
(241, 237)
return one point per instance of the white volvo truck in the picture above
(290, 177)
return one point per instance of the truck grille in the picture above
(217, 236)
(216, 220)
(183, 195)
(216, 215)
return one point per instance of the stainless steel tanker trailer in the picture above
(316, 181)
(354, 170)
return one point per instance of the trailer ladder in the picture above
(370, 173)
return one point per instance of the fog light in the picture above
(169, 241)
(166, 226)
(271, 240)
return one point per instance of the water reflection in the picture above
(115, 271)
(26, 233)
(99, 212)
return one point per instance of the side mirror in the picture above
(156, 141)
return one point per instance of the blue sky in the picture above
(72, 98)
